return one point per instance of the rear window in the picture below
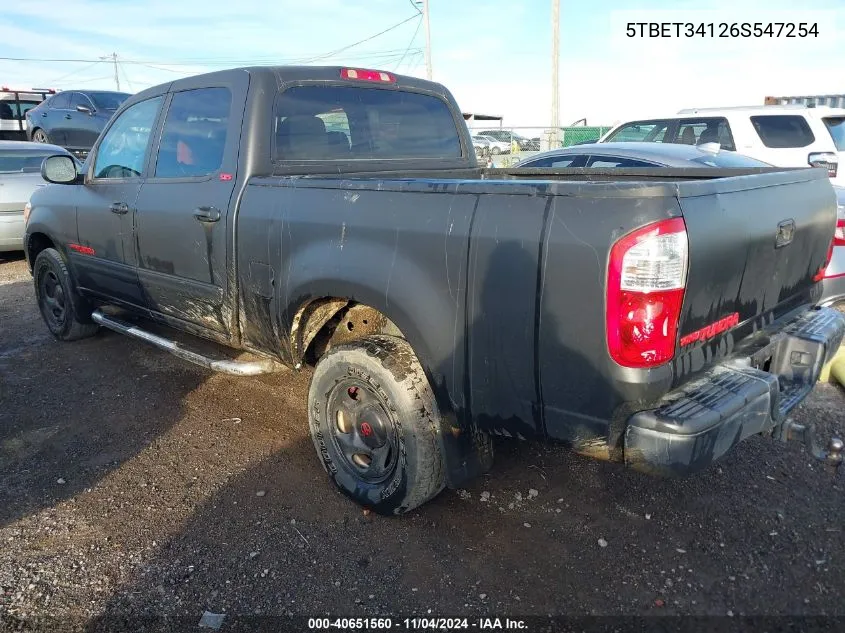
(641, 131)
(350, 122)
(17, 161)
(780, 131)
(836, 127)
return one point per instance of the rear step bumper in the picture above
(226, 366)
(703, 420)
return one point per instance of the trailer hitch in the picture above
(793, 431)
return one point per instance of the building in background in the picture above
(831, 101)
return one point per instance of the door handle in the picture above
(207, 214)
(67, 116)
(44, 114)
(119, 207)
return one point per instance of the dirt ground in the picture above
(134, 485)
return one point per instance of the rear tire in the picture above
(40, 136)
(66, 314)
(496, 151)
(375, 425)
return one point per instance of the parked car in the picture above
(634, 155)
(20, 176)
(833, 284)
(73, 119)
(496, 147)
(440, 303)
(14, 104)
(782, 135)
(508, 136)
(481, 145)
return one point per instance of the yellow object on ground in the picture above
(834, 371)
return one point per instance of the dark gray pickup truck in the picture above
(337, 217)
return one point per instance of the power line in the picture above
(208, 63)
(414, 4)
(70, 74)
(413, 37)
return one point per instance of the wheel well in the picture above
(323, 323)
(37, 243)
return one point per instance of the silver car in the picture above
(20, 175)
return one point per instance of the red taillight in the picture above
(367, 75)
(839, 235)
(646, 278)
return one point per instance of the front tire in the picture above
(496, 151)
(66, 314)
(375, 425)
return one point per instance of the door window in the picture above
(79, 99)
(643, 131)
(560, 162)
(615, 161)
(706, 130)
(122, 151)
(194, 135)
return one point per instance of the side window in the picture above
(706, 130)
(122, 151)
(194, 134)
(60, 102)
(783, 130)
(561, 162)
(647, 131)
(613, 161)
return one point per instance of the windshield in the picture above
(836, 127)
(16, 161)
(728, 159)
(107, 100)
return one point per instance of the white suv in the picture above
(782, 135)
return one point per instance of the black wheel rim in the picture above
(52, 294)
(362, 431)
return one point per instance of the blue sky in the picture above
(494, 55)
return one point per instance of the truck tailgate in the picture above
(755, 245)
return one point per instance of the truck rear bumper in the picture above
(746, 395)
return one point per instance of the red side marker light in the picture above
(225, 177)
(367, 75)
(82, 250)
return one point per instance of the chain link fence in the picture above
(504, 146)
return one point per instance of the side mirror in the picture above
(60, 169)
(828, 160)
(84, 109)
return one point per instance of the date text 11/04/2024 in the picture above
(415, 624)
(722, 29)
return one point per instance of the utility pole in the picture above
(113, 57)
(553, 137)
(427, 40)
